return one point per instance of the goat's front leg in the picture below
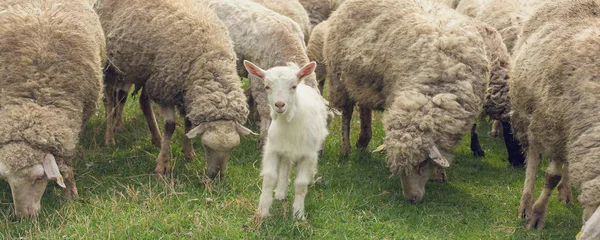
(533, 163)
(346, 120)
(283, 178)
(305, 172)
(162, 162)
(365, 127)
(270, 165)
(540, 207)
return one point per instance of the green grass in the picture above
(357, 198)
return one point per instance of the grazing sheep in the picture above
(292, 9)
(51, 67)
(555, 97)
(266, 38)
(319, 10)
(314, 51)
(424, 64)
(296, 133)
(179, 54)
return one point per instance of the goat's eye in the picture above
(294, 87)
(267, 88)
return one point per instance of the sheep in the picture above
(292, 9)
(48, 93)
(296, 133)
(555, 102)
(319, 10)
(179, 54)
(266, 38)
(423, 64)
(314, 51)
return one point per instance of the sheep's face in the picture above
(219, 138)
(28, 184)
(414, 179)
(280, 85)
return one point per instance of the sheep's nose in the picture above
(279, 104)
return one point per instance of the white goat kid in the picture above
(296, 133)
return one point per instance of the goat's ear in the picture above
(438, 157)
(243, 131)
(51, 170)
(306, 70)
(254, 70)
(198, 130)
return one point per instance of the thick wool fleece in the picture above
(51, 77)
(180, 52)
(263, 37)
(319, 10)
(423, 63)
(314, 49)
(555, 89)
(292, 9)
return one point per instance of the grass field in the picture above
(356, 199)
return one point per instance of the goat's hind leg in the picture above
(270, 166)
(305, 172)
(540, 207)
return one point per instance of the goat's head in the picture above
(280, 84)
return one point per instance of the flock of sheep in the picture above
(431, 66)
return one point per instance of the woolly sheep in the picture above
(430, 80)
(555, 101)
(319, 10)
(296, 133)
(51, 66)
(180, 54)
(265, 38)
(292, 9)
(314, 51)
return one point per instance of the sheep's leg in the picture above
(259, 94)
(283, 178)
(365, 127)
(565, 195)
(475, 146)
(109, 108)
(305, 172)
(540, 207)
(270, 166)
(321, 85)
(188, 149)
(533, 163)
(346, 119)
(496, 128)
(66, 169)
(162, 162)
(120, 106)
(146, 106)
(513, 146)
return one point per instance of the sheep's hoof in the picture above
(493, 133)
(70, 193)
(156, 142)
(565, 195)
(537, 219)
(190, 155)
(439, 175)
(478, 153)
(161, 170)
(525, 209)
(109, 142)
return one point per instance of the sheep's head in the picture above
(27, 171)
(280, 84)
(414, 179)
(219, 138)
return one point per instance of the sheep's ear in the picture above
(306, 70)
(591, 228)
(254, 70)
(243, 131)
(51, 170)
(198, 130)
(437, 157)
